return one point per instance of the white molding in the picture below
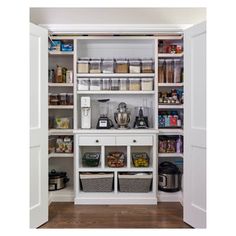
(75, 29)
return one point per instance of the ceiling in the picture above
(117, 15)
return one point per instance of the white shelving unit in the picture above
(170, 155)
(61, 107)
(61, 155)
(117, 75)
(60, 85)
(167, 106)
(168, 55)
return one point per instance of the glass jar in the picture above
(69, 99)
(54, 99)
(62, 99)
(106, 84)
(83, 84)
(134, 66)
(147, 84)
(95, 66)
(121, 66)
(115, 84)
(134, 84)
(108, 66)
(95, 84)
(83, 65)
(123, 84)
(147, 66)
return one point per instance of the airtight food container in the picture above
(83, 65)
(134, 84)
(147, 66)
(95, 66)
(95, 84)
(108, 66)
(134, 66)
(147, 84)
(83, 84)
(122, 66)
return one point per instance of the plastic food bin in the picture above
(134, 66)
(122, 66)
(134, 84)
(83, 84)
(147, 66)
(115, 84)
(83, 65)
(106, 84)
(108, 66)
(123, 84)
(147, 84)
(93, 182)
(140, 159)
(95, 66)
(95, 84)
(91, 159)
(62, 98)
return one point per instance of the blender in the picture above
(103, 121)
(141, 120)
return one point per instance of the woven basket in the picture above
(97, 182)
(135, 183)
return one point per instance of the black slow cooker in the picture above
(57, 180)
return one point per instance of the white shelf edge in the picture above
(61, 107)
(60, 155)
(88, 75)
(170, 37)
(171, 131)
(116, 131)
(60, 85)
(60, 132)
(55, 53)
(171, 155)
(115, 92)
(170, 84)
(170, 106)
(122, 169)
(169, 55)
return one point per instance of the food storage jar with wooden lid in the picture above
(95, 66)
(121, 66)
(147, 66)
(134, 84)
(83, 65)
(107, 66)
(147, 84)
(134, 66)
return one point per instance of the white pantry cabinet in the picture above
(103, 141)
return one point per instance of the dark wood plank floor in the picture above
(68, 215)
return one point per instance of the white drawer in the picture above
(135, 140)
(96, 140)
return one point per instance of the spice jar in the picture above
(83, 65)
(54, 99)
(147, 66)
(134, 66)
(62, 98)
(95, 66)
(121, 66)
(134, 84)
(108, 66)
(115, 84)
(69, 99)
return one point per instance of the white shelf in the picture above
(60, 155)
(170, 84)
(170, 155)
(60, 132)
(60, 53)
(63, 195)
(115, 131)
(61, 107)
(169, 55)
(120, 169)
(114, 75)
(171, 131)
(170, 37)
(60, 85)
(115, 92)
(176, 106)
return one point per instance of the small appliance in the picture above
(141, 120)
(122, 116)
(103, 121)
(169, 177)
(85, 113)
(57, 180)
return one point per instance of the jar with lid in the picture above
(115, 84)
(95, 66)
(54, 99)
(62, 98)
(108, 66)
(147, 84)
(134, 84)
(106, 84)
(123, 84)
(83, 65)
(147, 66)
(69, 99)
(64, 69)
(161, 71)
(169, 71)
(134, 66)
(83, 83)
(59, 74)
(69, 77)
(178, 66)
(95, 84)
(121, 66)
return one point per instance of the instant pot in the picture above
(57, 180)
(169, 177)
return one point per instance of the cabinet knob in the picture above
(134, 141)
(97, 141)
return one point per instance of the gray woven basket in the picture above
(97, 182)
(135, 183)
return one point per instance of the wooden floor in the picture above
(68, 215)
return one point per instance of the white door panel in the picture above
(195, 126)
(38, 126)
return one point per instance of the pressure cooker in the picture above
(57, 180)
(169, 177)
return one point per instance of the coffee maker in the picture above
(141, 120)
(85, 113)
(103, 121)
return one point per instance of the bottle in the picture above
(179, 145)
(59, 74)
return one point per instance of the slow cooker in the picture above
(57, 180)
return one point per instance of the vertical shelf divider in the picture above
(103, 156)
(115, 182)
(128, 156)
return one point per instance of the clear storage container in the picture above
(95, 66)
(134, 84)
(169, 71)
(122, 66)
(69, 99)
(62, 99)
(147, 66)
(83, 84)
(134, 66)
(147, 84)
(115, 84)
(106, 84)
(178, 68)
(108, 66)
(54, 100)
(83, 65)
(161, 71)
(123, 84)
(95, 84)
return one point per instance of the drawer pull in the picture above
(134, 141)
(97, 141)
